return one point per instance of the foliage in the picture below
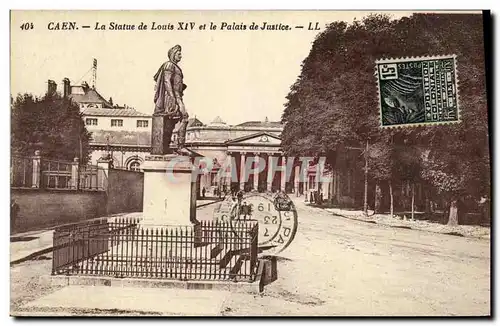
(51, 124)
(334, 102)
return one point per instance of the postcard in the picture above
(250, 163)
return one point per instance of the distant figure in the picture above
(203, 192)
(240, 196)
(14, 210)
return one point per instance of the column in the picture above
(104, 165)
(37, 170)
(229, 178)
(256, 171)
(242, 171)
(75, 173)
(296, 179)
(270, 173)
(283, 174)
(319, 174)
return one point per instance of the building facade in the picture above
(251, 150)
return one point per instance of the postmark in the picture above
(277, 220)
(418, 91)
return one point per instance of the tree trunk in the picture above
(365, 205)
(412, 201)
(392, 198)
(453, 217)
(378, 198)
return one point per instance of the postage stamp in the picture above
(418, 91)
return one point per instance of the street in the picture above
(337, 266)
(342, 267)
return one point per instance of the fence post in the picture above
(105, 165)
(37, 170)
(75, 173)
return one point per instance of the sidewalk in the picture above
(25, 246)
(472, 231)
(84, 300)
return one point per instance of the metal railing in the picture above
(124, 248)
(42, 173)
(56, 174)
(21, 171)
(92, 177)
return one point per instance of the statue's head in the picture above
(174, 54)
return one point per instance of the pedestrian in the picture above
(240, 196)
(203, 192)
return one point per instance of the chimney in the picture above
(52, 87)
(67, 87)
(85, 86)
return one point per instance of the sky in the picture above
(237, 75)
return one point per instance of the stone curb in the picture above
(211, 203)
(37, 253)
(254, 287)
(404, 226)
(45, 250)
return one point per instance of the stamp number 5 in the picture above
(388, 71)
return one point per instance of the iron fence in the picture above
(124, 248)
(37, 172)
(21, 171)
(56, 174)
(91, 177)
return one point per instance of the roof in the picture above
(90, 96)
(218, 121)
(273, 124)
(114, 112)
(256, 135)
(125, 138)
(194, 122)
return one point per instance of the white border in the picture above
(217, 4)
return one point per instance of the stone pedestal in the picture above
(161, 134)
(169, 190)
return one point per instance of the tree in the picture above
(334, 103)
(457, 163)
(51, 124)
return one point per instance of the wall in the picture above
(129, 123)
(43, 208)
(125, 191)
(119, 157)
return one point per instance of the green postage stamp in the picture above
(418, 91)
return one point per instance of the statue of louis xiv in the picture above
(169, 106)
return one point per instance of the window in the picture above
(142, 123)
(116, 123)
(134, 166)
(91, 122)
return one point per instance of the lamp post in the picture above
(364, 152)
